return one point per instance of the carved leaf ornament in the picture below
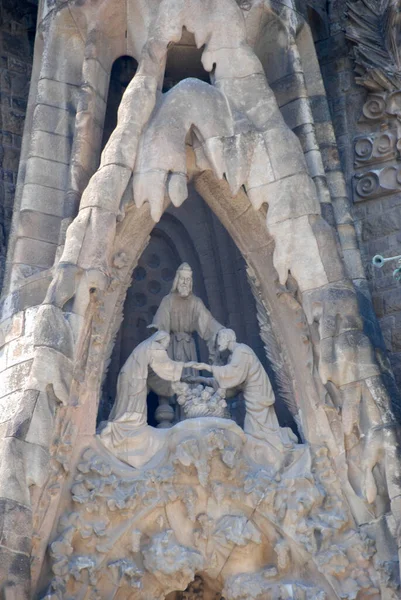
(374, 28)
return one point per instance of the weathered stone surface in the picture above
(44, 227)
(53, 331)
(44, 200)
(295, 243)
(347, 358)
(15, 532)
(50, 367)
(24, 408)
(38, 253)
(219, 500)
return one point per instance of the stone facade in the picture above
(259, 143)
(17, 30)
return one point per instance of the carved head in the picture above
(183, 280)
(226, 339)
(162, 337)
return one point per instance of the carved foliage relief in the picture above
(210, 506)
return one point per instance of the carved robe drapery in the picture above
(127, 434)
(181, 317)
(132, 388)
(245, 371)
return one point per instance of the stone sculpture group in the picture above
(127, 433)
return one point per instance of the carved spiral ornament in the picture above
(374, 107)
(364, 148)
(368, 184)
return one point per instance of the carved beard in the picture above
(183, 290)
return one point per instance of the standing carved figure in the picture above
(245, 372)
(181, 313)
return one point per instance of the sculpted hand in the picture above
(198, 366)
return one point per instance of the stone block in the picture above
(328, 213)
(23, 465)
(50, 146)
(347, 236)
(10, 158)
(19, 424)
(91, 103)
(289, 88)
(325, 133)
(19, 350)
(34, 252)
(67, 41)
(231, 62)
(97, 77)
(51, 368)
(334, 307)
(9, 405)
(13, 379)
(11, 328)
(106, 185)
(15, 526)
(32, 292)
(284, 203)
(41, 426)
(53, 120)
(57, 93)
(13, 120)
(307, 137)
(336, 183)
(297, 113)
(42, 199)
(353, 262)
(46, 172)
(15, 574)
(30, 320)
(295, 244)
(328, 251)
(285, 152)
(86, 155)
(315, 165)
(381, 225)
(39, 226)
(92, 136)
(391, 301)
(320, 111)
(5, 81)
(53, 330)
(347, 358)
(263, 112)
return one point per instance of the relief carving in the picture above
(374, 29)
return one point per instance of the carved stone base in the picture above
(211, 502)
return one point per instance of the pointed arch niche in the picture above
(192, 233)
(215, 233)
